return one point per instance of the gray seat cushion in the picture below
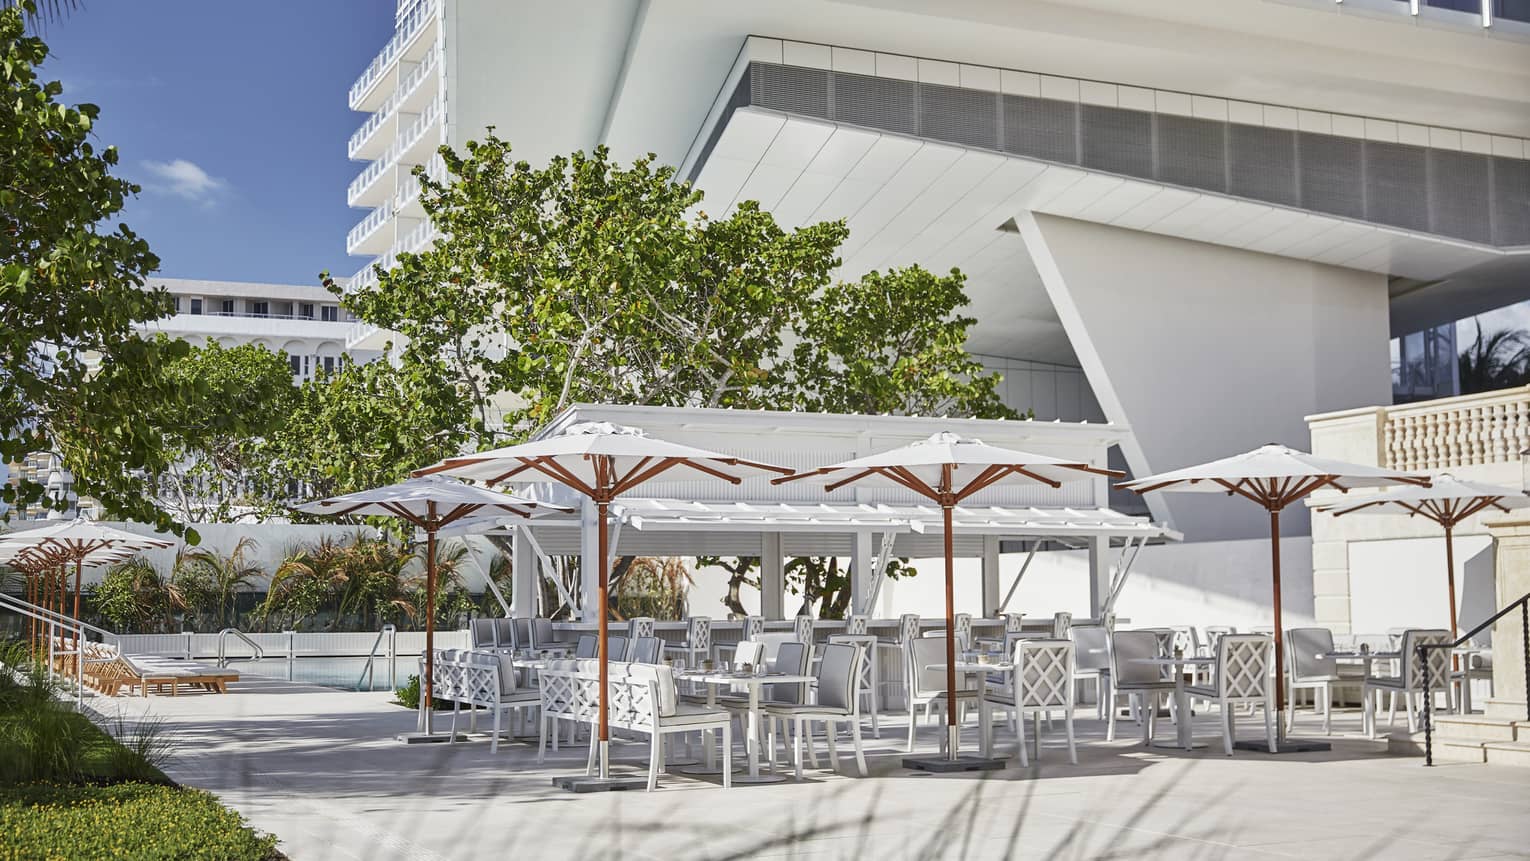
(793, 709)
(690, 713)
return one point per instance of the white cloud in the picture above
(184, 179)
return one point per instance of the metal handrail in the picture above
(1523, 603)
(367, 671)
(54, 620)
(260, 653)
(60, 618)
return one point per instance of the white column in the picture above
(589, 562)
(772, 577)
(861, 575)
(991, 596)
(1100, 559)
(526, 577)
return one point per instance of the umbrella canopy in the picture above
(1446, 501)
(74, 541)
(430, 503)
(1273, 476)
(600, 460)
(948, 468)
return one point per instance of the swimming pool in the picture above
(343, 673)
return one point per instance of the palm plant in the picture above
(135, 597)
(224, 575)
(1495, 361)
(304, 583)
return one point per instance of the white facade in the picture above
(1200, 220)
(306, 323)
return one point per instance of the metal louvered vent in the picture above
(1462, 195)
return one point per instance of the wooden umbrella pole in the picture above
(428, 688)
(1280, 660)
(1450, 576)
(78, 564)
(602, 507)
(951, 726)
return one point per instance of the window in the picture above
(331, 313)
(305, 310)
(297, 365)
(329, 364)
(260, 309)
(196, 306)
(177, 301)
(228, 306)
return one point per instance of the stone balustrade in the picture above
(1446, 433)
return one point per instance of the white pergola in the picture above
(866, 525)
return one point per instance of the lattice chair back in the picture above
(504, 634)
(1044, 673)
(1014, 623)
(640, 626)
(1243, 666)
(963, 630)
(908, 627)
(857, 624)
(754, 627)
(587, 646)
(1186, 640)
(556, 683)
(839, 676)
(698, 634)
(655, 696)
(802, 626)
(1061, 622)
(1214, 635)
(481, 633)
(1438, 659)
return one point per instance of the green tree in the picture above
(217, 443)
(1495, 361)
(136, 598)
(218, 578)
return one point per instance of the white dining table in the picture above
(969, 668)
(1178, 666)
(752, 682)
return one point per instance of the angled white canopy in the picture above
(80, 536)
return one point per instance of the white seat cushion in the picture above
(687, 714)
(795, 709)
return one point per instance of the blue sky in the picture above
(232, 116)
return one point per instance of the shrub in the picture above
(408, 696)
(124, 820)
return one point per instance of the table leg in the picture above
(706, 735)
(752, 734)
(1182, 707)
(986, 743)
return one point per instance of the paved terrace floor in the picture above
(320, 769)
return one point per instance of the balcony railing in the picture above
(368, 175)
(417, 129)
(376, 219)
(1447, 433)
(406, 28)
(390, 106)
(409, 184)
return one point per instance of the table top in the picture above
(726, 677)
(963, 667)
(1176, 662)
(1351, 654)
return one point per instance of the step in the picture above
(1473, 728)
(1404, 743)
(1511, 753)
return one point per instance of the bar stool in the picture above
(908, 629)
(698, 641)
(802, 626)
(639, 626)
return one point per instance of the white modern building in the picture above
(1197, 221)
(304, 322)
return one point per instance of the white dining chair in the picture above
(1041, 682)
(837, 704)
(1409, 682)
(1243, 676)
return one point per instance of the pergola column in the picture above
(1099, 575)
(525, 586)
(589, 561)
(990, 576)
(861, 575)
(772, 577)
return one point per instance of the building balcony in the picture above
(414, 35)
(407, 202)
(419, 140)
(369, 237)
(377, 133)
(246, 327)
(1478, 436)
(374, 186)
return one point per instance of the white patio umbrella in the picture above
(44, 567)
(430, 503)
(948, 469)
(1274, 476)
(601, 461)
(1447, 501)
(73, 541)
